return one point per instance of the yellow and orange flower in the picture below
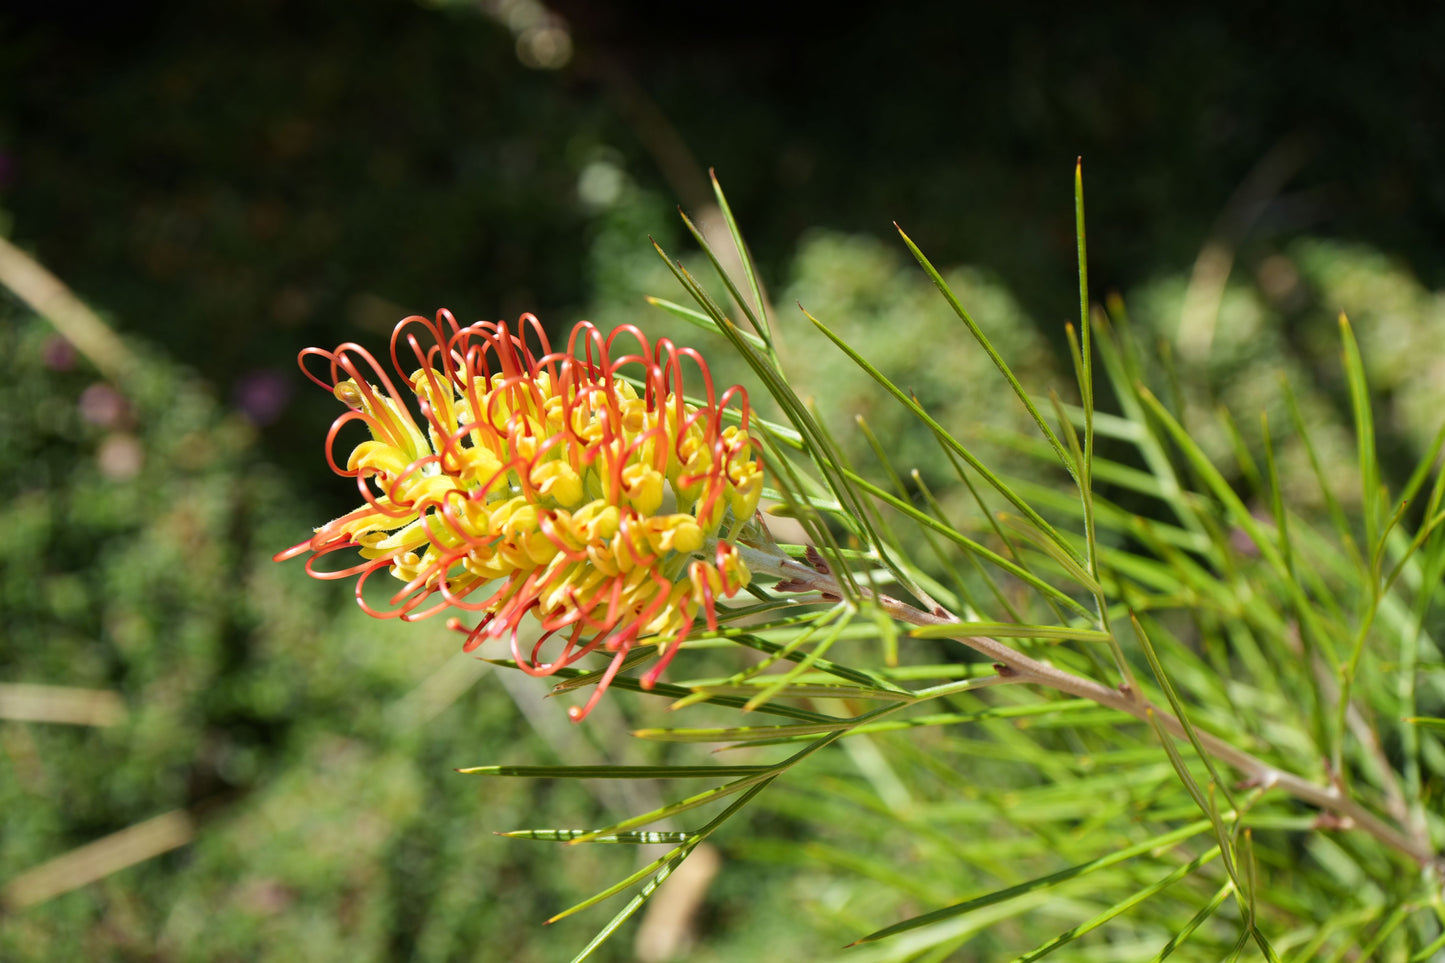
(544, 483)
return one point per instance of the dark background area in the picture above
(232, 180)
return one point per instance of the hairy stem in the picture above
(1022, 668)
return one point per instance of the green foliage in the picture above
(1268, 587)
(1258, 667)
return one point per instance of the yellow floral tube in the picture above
(574, 486)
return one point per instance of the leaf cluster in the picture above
(1203, 718)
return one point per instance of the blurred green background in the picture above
(228, 183)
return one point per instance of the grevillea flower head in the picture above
(575, 486)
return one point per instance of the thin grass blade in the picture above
(1161, 841)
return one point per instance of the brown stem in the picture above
(1023, 668)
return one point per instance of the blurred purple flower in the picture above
(102, 405)
(59, 354)
(262, 395)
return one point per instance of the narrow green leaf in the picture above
(1276, 496)
(1109, 515)
(820, 534)
(974, 558)
(894, 557)
(754, 734)
(950, 670)
(737, 733)
(1427, 953)
(805, 691)
(1008, 630)
(927, 419)
(744, 256)
(1382, 932)
(1123, 906)
(723, 275)
(1238, 948)
(1377, 559)
(786, 684)
(1118, 856)
(856, 676)
(636, 902)
(1408, 554)
(1092, 579)
(671, 858)
(1204, 802)
(1262, 941)
(1242, 457)
(868, 517)
(1196, 921)
(1063, 714)
(1241, 516)
(1064, 560)
(1105, 424)
(1123, 370)
(1086, 380)
(626, 913)
(616, 772)
(739, 785)
(1085, 457)
(801, 633)
(1423, 467)
(1102, 469)
(1369, 463)
(1156, 664)
(703, 798)
(568, 835)
(1181, 713)
(984, 343)
(955, 536)
(699, 320)
(1332, 504)
(668, 690)
(591, 677)
(1426, 722)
